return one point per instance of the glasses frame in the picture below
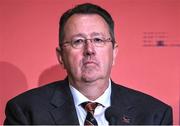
(85, 42)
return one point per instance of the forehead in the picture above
(87, 24)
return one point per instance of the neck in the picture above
(92, 90)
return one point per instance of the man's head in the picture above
(88, 49)
(86, 8)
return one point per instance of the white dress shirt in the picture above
(99, 115)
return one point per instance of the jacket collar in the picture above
(122, 102)
(64, 112)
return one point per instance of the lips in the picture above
(89, 62)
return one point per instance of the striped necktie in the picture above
(90, 107)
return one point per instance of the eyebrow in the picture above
(97, 34)
(79, 35)
(91, 35)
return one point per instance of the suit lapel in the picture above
(121, 101)
(64, 112)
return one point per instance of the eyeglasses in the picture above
(80, 43)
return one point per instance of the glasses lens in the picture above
(99, 42)
(79, 43)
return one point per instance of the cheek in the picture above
(106, 59)
(72, 61)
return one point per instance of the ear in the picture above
(115, 51)
(59, 56)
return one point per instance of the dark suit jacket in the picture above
(53, 104)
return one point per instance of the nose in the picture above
(89, 48)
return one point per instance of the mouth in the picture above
(89, 63)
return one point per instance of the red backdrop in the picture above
(147, 32)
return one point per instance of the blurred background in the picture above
(147, 31)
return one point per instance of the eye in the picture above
(98, 40)
(77, 42)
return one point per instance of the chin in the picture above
(89, 78)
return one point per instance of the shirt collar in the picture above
(79, 98)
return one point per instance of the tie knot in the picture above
(89, 106)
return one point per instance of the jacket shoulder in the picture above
(138, 98)
(37, 95)
(141, 107)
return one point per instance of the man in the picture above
(87, 50)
